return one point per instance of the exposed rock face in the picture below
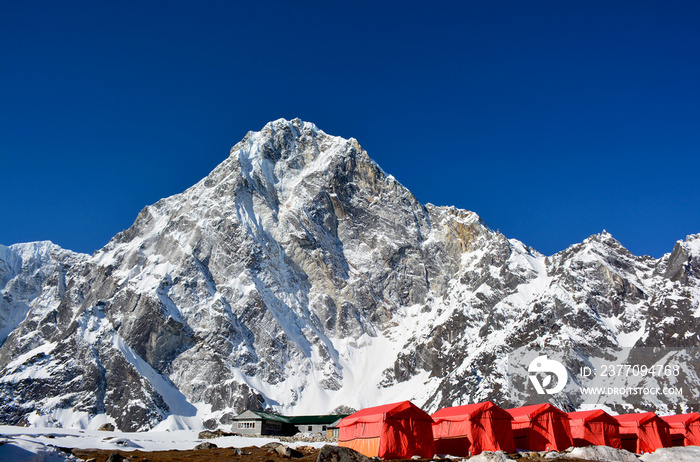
(299, 276)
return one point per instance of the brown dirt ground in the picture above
(251, 454)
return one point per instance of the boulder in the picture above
(602, 453)
(331, 453)
(115, 457)
(676, 454)
(209, 434)
(490, 456)
(283, 450)
(204, 446)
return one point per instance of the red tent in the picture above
(594, 428)
(541, 427)
(392, 431)
(643, 432)
(472, 429)
(684, 429)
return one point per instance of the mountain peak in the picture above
(604, 238)
(296, 123)
(300, 276)
(286, 158)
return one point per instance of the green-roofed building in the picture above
(262, 423)
(316, 424)
(265, 423)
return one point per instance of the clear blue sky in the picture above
(552, 120)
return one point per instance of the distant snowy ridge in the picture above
(301, 277)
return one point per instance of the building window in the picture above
(311, 428)
(246, 424)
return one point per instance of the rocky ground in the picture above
(249, 454)
(19, 444)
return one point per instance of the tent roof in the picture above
(527, 412)
(399, 410)
(638, 418)
(682, 418)
(591, 415)
(462, 412)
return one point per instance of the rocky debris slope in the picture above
(299, 276)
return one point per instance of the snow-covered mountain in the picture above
(300, 276)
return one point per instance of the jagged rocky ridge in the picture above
(299, 276)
